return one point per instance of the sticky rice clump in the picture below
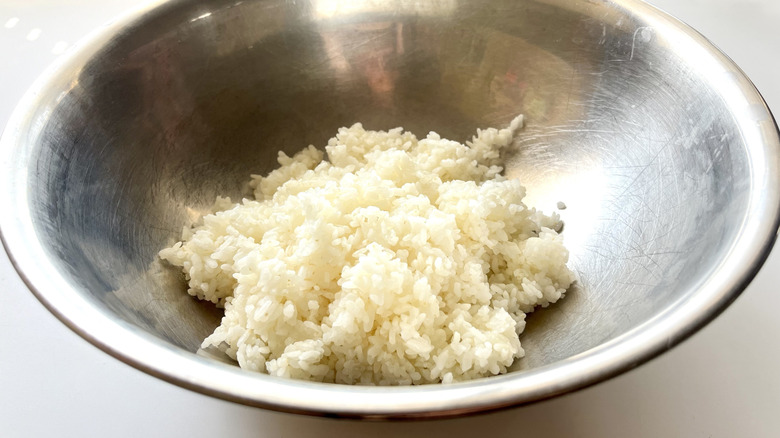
(384, 260)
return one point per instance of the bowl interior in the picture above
(138, 135)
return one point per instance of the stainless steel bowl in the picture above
(663, 151)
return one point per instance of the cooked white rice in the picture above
(393, 262)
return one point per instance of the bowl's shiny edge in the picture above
(613, 358)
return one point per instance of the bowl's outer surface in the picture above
(664, 153)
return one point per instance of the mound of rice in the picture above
(395, 261)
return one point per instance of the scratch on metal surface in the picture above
(644, 169)
(645, 35)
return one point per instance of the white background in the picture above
(723, 382)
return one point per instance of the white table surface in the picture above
(722, 382)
